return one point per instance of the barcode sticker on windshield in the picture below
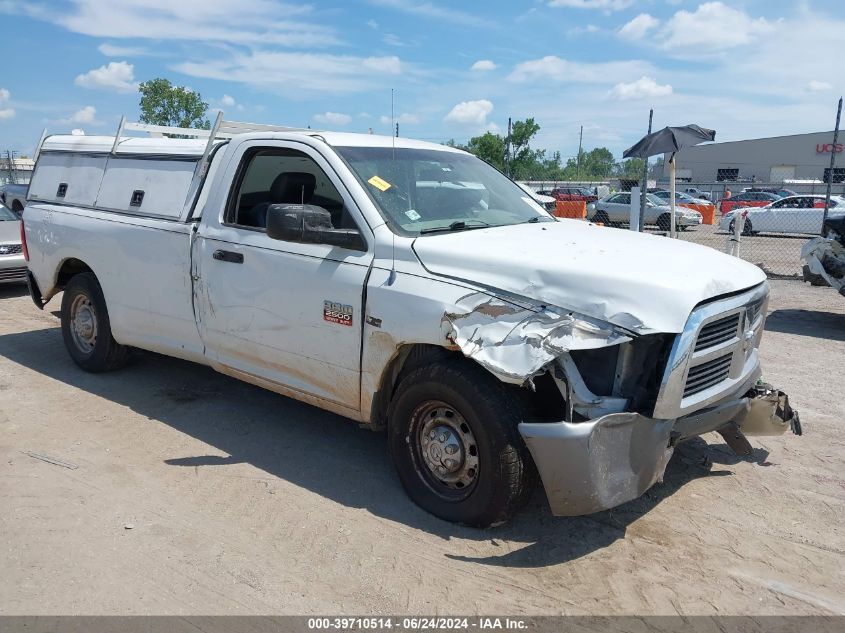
(413, 215)
(378, 183)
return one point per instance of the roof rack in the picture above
(220, 130)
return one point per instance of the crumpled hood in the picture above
(641, 282)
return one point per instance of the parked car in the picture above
(574, 194)
(778, 191)
(747, 199)
(680, 198)
(616, 209)
(491, 341)
(694, 192)
(14, 197)
(549, 203)
(795, 214)
(12, 263)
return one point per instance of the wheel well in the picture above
(68, 269)
(406, 359)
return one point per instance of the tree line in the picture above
(528, 163)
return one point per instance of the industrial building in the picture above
(799, 157)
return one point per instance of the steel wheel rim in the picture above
(447, 449)
(83, 324)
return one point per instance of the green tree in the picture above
(162, 103)
(489, 147)
(631, 168)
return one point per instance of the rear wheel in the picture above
(86, 328)
(455, 444)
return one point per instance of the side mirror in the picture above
(309, 224)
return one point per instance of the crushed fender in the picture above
(515, 342)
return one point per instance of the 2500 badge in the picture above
(339, 313)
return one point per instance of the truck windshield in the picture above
(422, 191)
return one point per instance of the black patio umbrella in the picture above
(668, 141)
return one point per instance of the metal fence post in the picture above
(832, 165)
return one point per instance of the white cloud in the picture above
(227, 101)
(406, 118)
(637, 28)
(110, 50)
(712, 27)
(246, 22)
(553, 68)
(819, 86)
(436, 12)
(484, 64)
(604, 5)
(77, 132)
(332, 118)
(5, 113)
(642, 88)
(88, 114)
(297, 75)
(372, 24)
(117, 76)
(578, 30)
(473, 113)
(393, 40)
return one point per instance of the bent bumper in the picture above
(595, 465)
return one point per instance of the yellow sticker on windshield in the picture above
(378, 183)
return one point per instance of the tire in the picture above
(664, 222)
(86, 328)
(495, 474)
(746, 229)
(601, 216)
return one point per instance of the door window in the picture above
(282, 176)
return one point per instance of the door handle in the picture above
(228, 256)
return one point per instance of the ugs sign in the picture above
(827, 148)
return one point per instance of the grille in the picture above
(7, 274)
(10, 249)
(707, 374)
(753, 311)
(717, 332)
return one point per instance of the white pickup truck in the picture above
(410, 287)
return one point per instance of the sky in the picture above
(746, 68)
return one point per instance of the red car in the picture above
(747, 199)
(574, 194)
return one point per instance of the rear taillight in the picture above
(23, 242)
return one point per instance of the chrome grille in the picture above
(10, 249)
(717, 332)
(707, 374)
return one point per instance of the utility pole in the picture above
(832, 165)
(578, 160)
(508, 151)
(645, 176)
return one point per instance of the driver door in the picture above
(277, 312)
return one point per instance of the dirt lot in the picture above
(192, 493)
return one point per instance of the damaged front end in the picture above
(610, 404)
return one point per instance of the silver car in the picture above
(616, 209)
(12, 263)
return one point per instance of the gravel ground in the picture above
(186, 492)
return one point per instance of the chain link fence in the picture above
(780, 216)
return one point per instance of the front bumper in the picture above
(688, 220)
(12, 269)
(595, 465)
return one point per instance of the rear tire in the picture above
(454, 441)
(86, 328)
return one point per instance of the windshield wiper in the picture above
(459, 225)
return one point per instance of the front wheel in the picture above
(746, 228)
(664, 222)
(600, 217)
(86, 328)
(454, 441)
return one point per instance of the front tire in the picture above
(746, 228)
(664, 222)
(86, 328)
(600, 217)
(454, 442)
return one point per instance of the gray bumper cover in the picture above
(595, 465)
